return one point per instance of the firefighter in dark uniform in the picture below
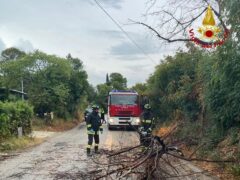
(94, 125)
(147, 124)
(102, 114)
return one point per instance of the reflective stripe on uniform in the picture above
(96, 144)
(89, 146)
(147, 121)
(101, 127)
(89, 125)
(91, 132)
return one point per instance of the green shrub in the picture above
(235, 169)
(4, 126)
(234, 136)
(14, 115)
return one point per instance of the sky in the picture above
(81, 28)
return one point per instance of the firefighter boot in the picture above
(96, 149)
(88, 152)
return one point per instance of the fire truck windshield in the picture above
(122, 99)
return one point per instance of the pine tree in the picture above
(107, 80)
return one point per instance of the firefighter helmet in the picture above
(94, 107)
(147, 106)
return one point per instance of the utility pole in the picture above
(22, 89)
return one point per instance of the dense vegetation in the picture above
(114, 81)
(14, 115)
(52, 84)
(198, 85)
(199, 90)
(194, 87)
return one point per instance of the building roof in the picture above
(13, 90)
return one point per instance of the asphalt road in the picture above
(65, 152)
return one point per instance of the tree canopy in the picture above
(51, 83)
(117, 81)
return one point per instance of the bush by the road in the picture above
(14, 115)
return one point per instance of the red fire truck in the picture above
(123, 108)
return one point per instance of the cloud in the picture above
(112, 3)
(81, 28)
(137, 68)
(128, 48)
(109, 34)
(2, 45)
(24, 45)
(116, 4)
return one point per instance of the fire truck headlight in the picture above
(110, 120)
(137, 120)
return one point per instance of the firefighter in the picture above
(147, 124)
(102, 114)
(86, 115)
(94, 125)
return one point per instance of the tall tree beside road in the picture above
(102, 93)
(78, 85)
(172, 87)
(52, 83)
(141, 88)
(117, 81)
(114, 81)
(12, 54)
(107, 80)
(91, 93)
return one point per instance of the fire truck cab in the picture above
(123, 108)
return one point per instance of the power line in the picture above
(124, 32)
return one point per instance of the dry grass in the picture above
(14, 143)
(56, 126)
